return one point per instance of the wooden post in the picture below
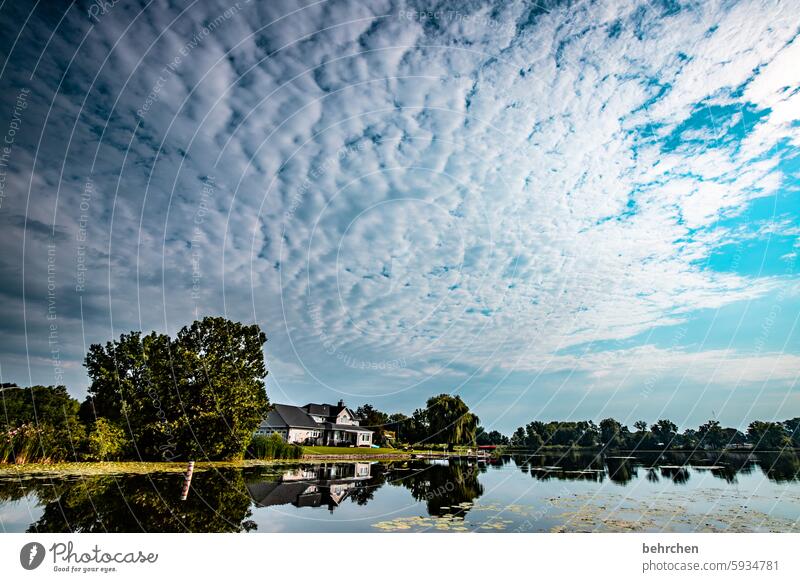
(187, 481)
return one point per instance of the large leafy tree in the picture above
(132, 387)
(450, 421)
(219, 373)
(200, 395)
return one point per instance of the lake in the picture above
(554, 492)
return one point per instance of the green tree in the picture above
(711, 435)
(588, 433)
(533, 439)
(399, 424)
(768, 435)
(39, 423)
(611, 433)
(518, 438)
(200, 395)
(490, 438)
(642, 438)
(792, 427)
(220, 371)
(451, 421)
(664, 431)
(106, 441)
(375, 420)
(689, 439)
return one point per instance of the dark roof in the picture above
(323, 409)
(286, 415)
(274, 420)
(268, 493)
(290, 416)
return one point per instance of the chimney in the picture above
(341, 404)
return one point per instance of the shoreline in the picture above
(100, 468)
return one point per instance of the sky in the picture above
(557, 210)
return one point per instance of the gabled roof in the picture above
(327, 410)
(286, 415)
(268, 493)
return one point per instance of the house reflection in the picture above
(312, 486)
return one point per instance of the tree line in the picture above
(199, 395)
(663, 434)
(446, 420)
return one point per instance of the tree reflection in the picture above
(679, 475)
(442, 487)
(218, 502)
(780, 467)
(620, 469)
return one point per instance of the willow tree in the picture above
(450, 421)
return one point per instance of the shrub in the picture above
(107, 441)
(44, 443)
(272, 447)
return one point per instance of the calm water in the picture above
(521, 493)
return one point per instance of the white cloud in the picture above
(503, 187)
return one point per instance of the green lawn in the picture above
(352, 451)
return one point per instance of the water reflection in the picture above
(441, 486)
(225, 500)
(326, 485)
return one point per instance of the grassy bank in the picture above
(123, 468)
(355, 451)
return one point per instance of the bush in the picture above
(107, 441)
(272, 447)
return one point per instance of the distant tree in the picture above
(768, 435)
(710, 435)
(533, 439)
(611, 433)
(450, 421)
(399, 424)
(792, 427)
(642, 438)
(588, 433)
(689, 439)
(375, 420)
(35, 405)
(490, 438)
(518, 438)
(732, 436)
(419, 426)
(664, 431)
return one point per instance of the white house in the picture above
(316, 424)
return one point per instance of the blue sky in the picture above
(558, 210)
